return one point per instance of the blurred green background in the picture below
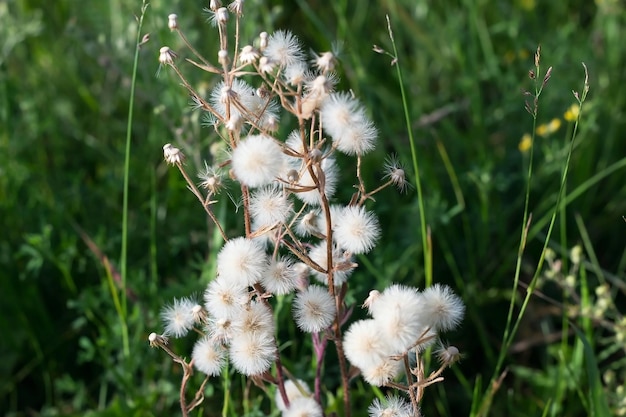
(65, 77)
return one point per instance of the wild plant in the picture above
(299, 243)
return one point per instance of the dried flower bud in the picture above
(248, 55)
(371, 299)
(221, 15)
(215, 4)
(172, 21)
(265, 65)
(166, 56)
(531, 74)
(325, 62)
(378, 49)
(172, 155)
(394, 172)
(448, 355)
(211, 179)
(236, 7)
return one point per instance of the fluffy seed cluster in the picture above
(295, 230)
(347, 124)
(403, 319)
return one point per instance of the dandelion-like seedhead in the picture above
(314, 309)
(300, 243)
(391, 406)
(179, 317)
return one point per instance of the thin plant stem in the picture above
(427, 250)
(129, 127)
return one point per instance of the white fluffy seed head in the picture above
(269, 206)
(309, 223)
(401, 310)
(283, 48)
(296, 73)
(363, 345)
(281, 277)
(294, 390)
(381, 373)
(391, 406)
(252, 353)
(257, 160)
(224, 298)
(241, 261)
(356, 229)
(314, 309)
(303, 407)
(178, 317)
(443, 309)
(347, 124)
(255, 317)
(208, 356)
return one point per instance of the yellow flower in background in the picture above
(547, 129)
(571, 114)
(525, 143)
(527, 5)
(523, 54)
(509, 56)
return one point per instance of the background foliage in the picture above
(65, 71)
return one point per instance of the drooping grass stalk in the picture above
(427, 249)
(510, 331)
(124, 251)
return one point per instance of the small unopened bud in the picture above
(157, 340)
(263, 41)
(222, 15)
(531, 74)
(215, 4)
(222, 57)
(172, 21)
(172, 155)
